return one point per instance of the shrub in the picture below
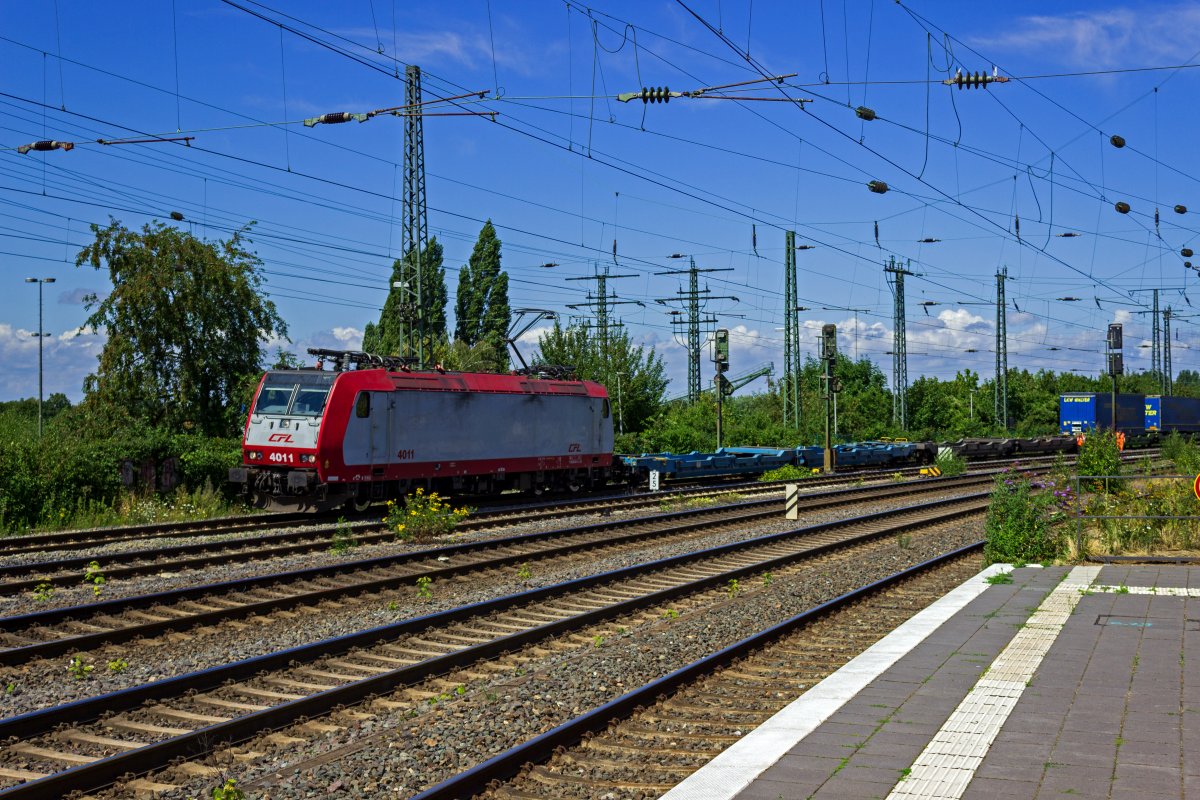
(951, 464)
(1099, 456)
(423, 516)
(786, 473)
(1020, 520)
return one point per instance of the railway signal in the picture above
(829, 356)
(721, 359)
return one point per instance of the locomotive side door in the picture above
(382, 411)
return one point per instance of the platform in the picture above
(1076, 682)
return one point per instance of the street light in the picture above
(41, 335)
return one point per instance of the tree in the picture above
(635, 378)
(481, 311)
(399, 310)
(186, 325)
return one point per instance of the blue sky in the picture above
(565, 169)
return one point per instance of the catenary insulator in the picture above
(1122, 207)
(1117, 140)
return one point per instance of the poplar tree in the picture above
(482, 313)
(400, 308)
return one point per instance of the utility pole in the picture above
(829, 357)
(414, 234)
(694, 299)
(600, 303)
(1160, 357)
(1001, 392)
(41, 337)
(1168, 384)
(896, 274)
(791, 334)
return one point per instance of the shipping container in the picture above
(1080, 412)
(1168, 414)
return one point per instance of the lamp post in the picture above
(41, 335)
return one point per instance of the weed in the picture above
(903, 541)
(767, 578)
(951, 464)
(1020, 520)
(491, 697)
(423, 515)
(1120, 740)
(117, 666)
(524, 573)
(424, 593)
(343, 540)
(43, 591)
(78, 669)
(1020, 562)
(785, 473)
(597, 640)
(10, 689)
(622, 630)
(904, 773)
(1122, 589)
(228, 791)
(841, 765)
(460, 690)
(734, 587)
(897, 477)
(95, 577)
(670, 613)
(1000, 577)
(393, 606)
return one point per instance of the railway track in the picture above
(144, 728)
(648, 740)
(61, 631)
(494, 515)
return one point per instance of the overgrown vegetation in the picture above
(422, 516)
(1021, 519)
(951, 464)
(787, 473)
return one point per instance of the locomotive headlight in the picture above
(255, 455)
(308, 458)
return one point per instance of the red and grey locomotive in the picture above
(317, 439)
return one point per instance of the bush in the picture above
(952, 464)
(1020, 520)
(1099, 456)
(1183, 453)
(423, 516)
(786, 473)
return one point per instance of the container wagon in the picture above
(1080, 412)
(1172, 414)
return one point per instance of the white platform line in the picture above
(948, 763)
(743, 761)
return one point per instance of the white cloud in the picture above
(1104, 38)
(67, 359)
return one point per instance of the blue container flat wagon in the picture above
(1080, 412)
(1166, 414)
(733, 461)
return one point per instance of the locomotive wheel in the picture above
(359, 504)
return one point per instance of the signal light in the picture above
(655, 94)
(1122, 207)
(1117, 141)
(878, 187)
(45, 145)
(865, 113)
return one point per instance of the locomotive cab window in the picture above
(301, 394)
(362, 406)
(604, 410)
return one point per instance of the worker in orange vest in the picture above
(1120, 440)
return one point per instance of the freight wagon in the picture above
(1168, 414)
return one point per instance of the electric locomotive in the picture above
(317, 439)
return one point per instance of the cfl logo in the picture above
(280, 437)
(574, 449)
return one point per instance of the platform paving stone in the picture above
(1112, 711)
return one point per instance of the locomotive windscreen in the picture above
(294, 394)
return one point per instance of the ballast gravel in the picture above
(47, 682)
(400, 751)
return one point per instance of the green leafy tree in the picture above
(186, 325)
(635, 377)
(481, 310)
(385, 337)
